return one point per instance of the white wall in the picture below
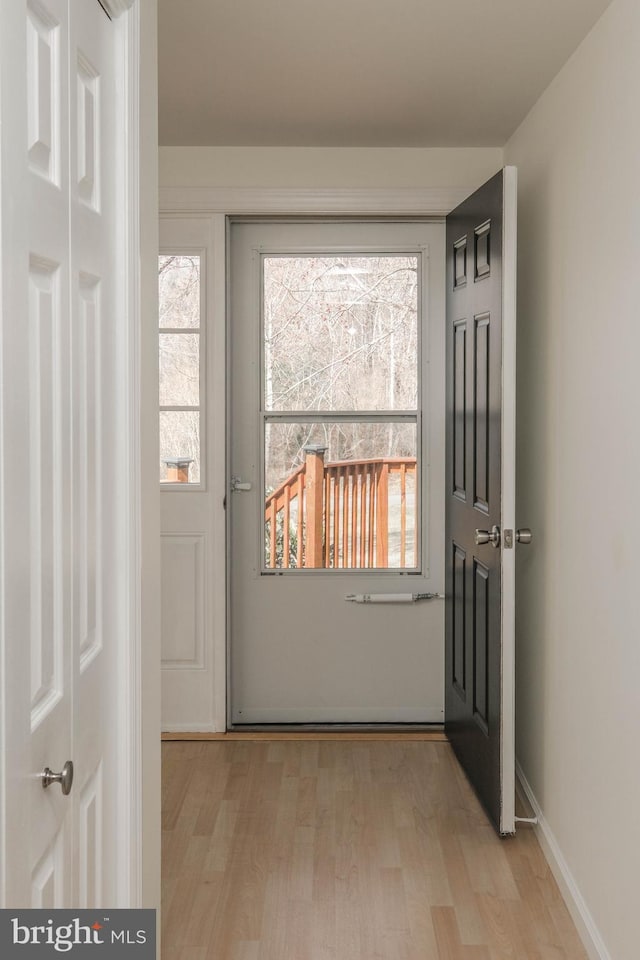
(578, 670)
(313, 167)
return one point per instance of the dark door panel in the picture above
(474, 654)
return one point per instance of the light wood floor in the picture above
(345, 851)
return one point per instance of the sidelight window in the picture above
(180, 375)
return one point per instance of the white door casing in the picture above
(66, 436)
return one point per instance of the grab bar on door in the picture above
(392, 597)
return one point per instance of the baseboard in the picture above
(580, 914)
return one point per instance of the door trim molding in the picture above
(219, 203)
(508, 488)
(129, 795)
(259, 201)
(130, 748)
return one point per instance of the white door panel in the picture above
(60, 384)
(93, 290)
(299, 652)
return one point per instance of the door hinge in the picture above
(507, 539)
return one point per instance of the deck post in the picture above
(178, 469)
(314, 505)
(382, 515)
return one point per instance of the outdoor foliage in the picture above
(179, 358)
(340, 334)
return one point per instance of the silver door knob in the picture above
(488, 536)
(524, 535)
(64, 778)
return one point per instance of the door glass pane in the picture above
(179, 369)
(179, 291)
(179, 446)
(341, 332)
(340, 495)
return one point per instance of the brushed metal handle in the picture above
(524, 535)
(64, 778)
(239, 485)
(488, 536)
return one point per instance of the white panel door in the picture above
(59, 479)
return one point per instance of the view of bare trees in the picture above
(340, 335)
(179, 319)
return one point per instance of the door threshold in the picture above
(411, 732)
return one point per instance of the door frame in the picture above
(220, 204)
(508, 487)
(130, 652)
(135, 734)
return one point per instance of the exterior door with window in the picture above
(336, 461)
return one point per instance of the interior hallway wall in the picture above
(578, 653)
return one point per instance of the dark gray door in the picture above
(479, 709)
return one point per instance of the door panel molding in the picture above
(184, 591)
(508, 679)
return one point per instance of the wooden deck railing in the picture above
(337, 514)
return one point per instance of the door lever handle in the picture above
(239, 485)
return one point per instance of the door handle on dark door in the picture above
(488, 536)
(524, 535)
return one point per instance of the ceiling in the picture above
(359, 72)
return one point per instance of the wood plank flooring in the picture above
(345, 850)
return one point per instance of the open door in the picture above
(480, 513)
(66, 437)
